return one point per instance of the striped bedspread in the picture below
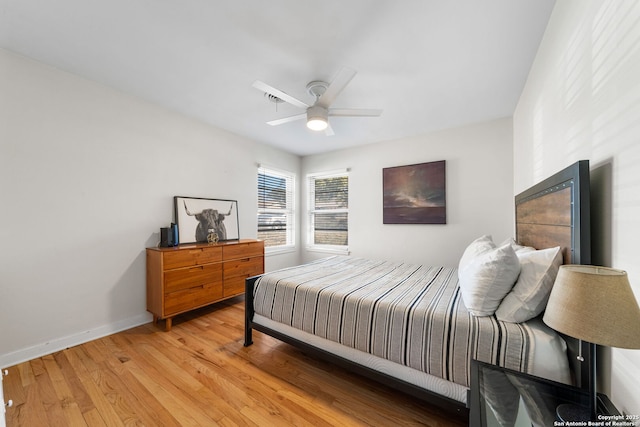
(410, 314)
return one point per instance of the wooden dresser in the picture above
(190, 276)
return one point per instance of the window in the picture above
(329, 211)
(276, 210)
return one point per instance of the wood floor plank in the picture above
(65, 397)
(85, 367)
(53, 407)
(15, 383)
(77, 390)
(232, 378)
(167, 395)
(322, 413)
(192, 391)
(31, 412)
(200, 374)
(146, 407)
(191, 400)
(127, 405)
(26, 374)
(93, 418)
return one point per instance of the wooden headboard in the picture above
(556, 212)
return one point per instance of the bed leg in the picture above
(248, 335)
(248, 309)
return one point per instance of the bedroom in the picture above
(92, 172)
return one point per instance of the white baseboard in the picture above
(39, 350)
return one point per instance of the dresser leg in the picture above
(167, 325)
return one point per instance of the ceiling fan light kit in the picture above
(317, 115)
(317, 118)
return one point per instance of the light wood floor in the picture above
(199, 374)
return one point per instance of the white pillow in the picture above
(516, 247)
(529, 296)
(476, 248)
(486, 280)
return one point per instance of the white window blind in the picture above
(329, 211)
(276, 208)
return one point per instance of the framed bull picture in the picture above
(206, 220)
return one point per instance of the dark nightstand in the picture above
(500, 396)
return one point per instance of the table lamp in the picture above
(597, 305)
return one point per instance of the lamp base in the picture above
(571, 412)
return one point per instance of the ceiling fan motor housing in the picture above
(317, 88)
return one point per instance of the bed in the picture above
(416, 327)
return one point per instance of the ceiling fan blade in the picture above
(336, 86)
(287, 119)
(354, 112)
(279, 94)
(329, 130)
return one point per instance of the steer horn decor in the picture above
(199, 219)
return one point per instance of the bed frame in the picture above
(554, 212)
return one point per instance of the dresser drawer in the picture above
(234, 286)
(244, 267)
(184, 278)
(189, 257)
(243, 250)
(187, 299)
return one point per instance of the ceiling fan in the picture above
(318, 113)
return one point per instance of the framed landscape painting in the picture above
(414, 194)
(206, 220)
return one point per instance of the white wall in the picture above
(479, 192)
(582, 101)
(87, 178)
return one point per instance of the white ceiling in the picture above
(429, 64)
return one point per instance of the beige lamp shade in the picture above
(594, 304)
